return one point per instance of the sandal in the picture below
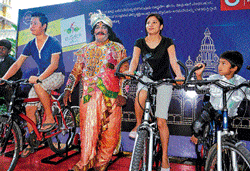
(52, 125)
(28, 151)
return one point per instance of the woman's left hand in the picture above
(179, 78)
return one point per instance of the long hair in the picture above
(112, 35)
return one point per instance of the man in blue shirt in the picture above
(47, 53)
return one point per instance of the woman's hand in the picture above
(66, 97)
(128, 72)
(179, 78)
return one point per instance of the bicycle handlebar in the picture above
(191, 72)
(217, 82)
(138, 77)
(11, 82)
(188, 83)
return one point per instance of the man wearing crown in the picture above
(101, 101)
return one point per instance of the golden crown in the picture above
(97, 17)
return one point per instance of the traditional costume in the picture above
(100, 117)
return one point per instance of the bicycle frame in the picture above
(40, 134)
(13, 125)
(148, 123)
(149, 106)
(220, 134)
(225, 131)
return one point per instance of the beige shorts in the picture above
(53, 82)
(163, 98)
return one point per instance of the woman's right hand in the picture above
(67, 96)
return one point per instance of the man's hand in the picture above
(2, 83)
(120, 100)
(33, 79)
(66, 97)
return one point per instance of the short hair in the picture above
(6, 43)
(42, 18)
(235, 58)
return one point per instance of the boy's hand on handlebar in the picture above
(199, 71)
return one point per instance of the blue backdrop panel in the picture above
(201, 31)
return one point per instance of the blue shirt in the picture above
(43, 57)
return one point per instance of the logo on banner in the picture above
(73, 31)
(27, 18)
(227, 5)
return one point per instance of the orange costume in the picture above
(100, 117)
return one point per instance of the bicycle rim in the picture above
(139, 161)
(242, 158)
(9, 158)
(60, 142)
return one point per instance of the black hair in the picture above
(112, 35)
(6, 43)
(235, 58)
(42, 18)
(159, 18)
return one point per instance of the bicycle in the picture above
(13, 125)
(222, 149)
(147, 152)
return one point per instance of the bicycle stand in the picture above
(63, 156)
(117, 156)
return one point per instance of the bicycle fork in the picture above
(146, 126)
(220, 134)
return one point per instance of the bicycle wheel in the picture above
(206, 142)
(139, 160)
(157, 154)
(9, 157)
(60, 142)
(242, 157)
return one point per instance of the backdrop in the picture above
(201, 30)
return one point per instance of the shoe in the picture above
(165, 169)
(132, 134)
(29, 150)
(52, 125)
